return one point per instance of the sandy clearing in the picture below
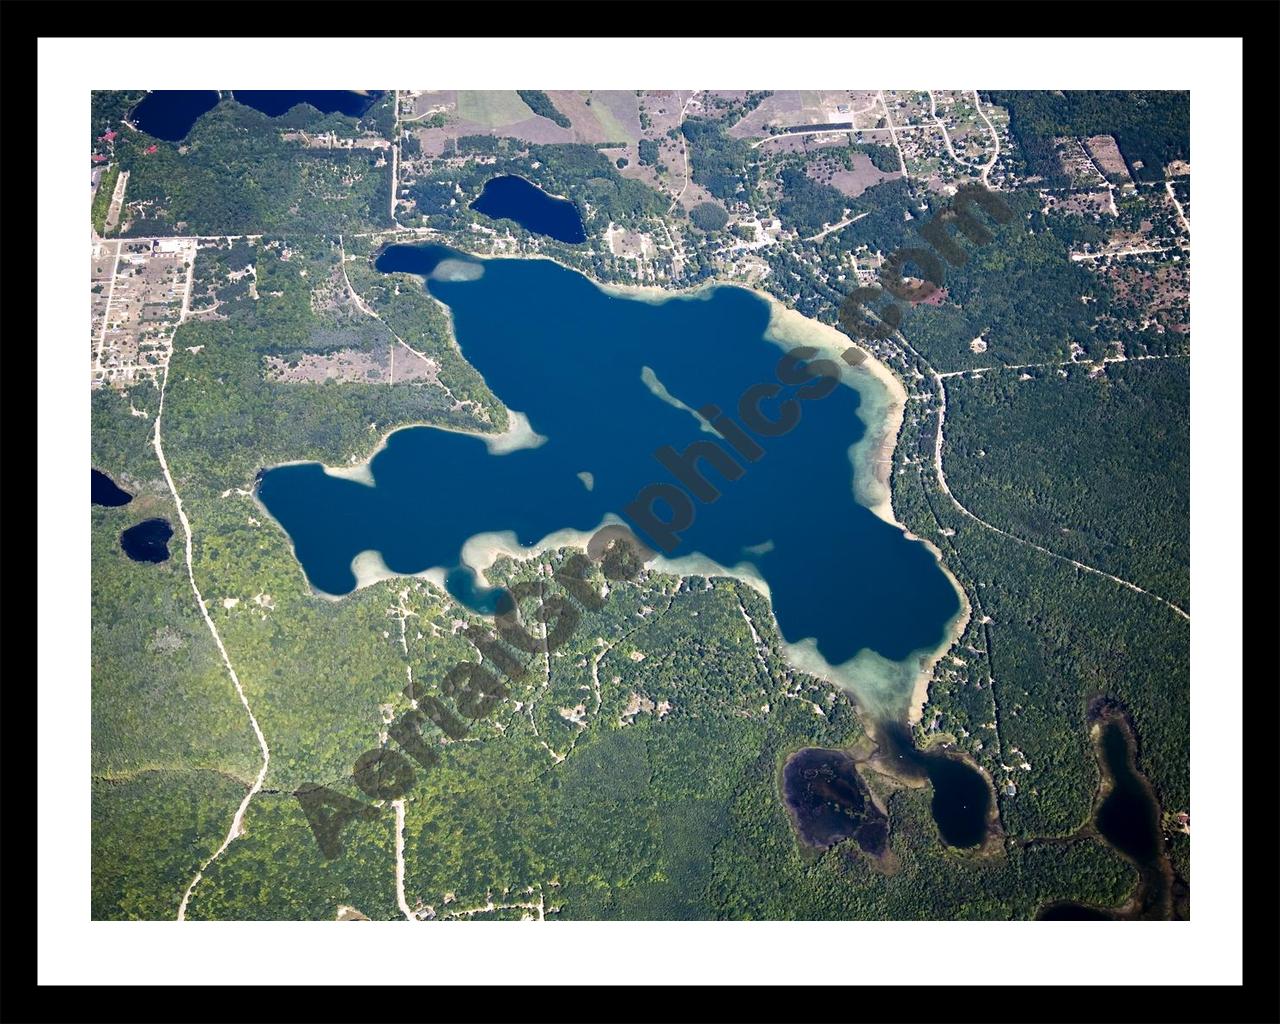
(400, 897)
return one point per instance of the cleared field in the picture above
(1106, 154)
(863, 176)
(492, 107)
(790, 108)
(626, 104)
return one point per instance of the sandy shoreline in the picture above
(482, 550)
(519, 434)
(955, 629)
(882, 418)
(877, 682)
(787, 328)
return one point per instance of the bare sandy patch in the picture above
(369, 568)
(413, 366)
(346, 366)
(1106, 154)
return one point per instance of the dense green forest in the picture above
(234, 174)
(584, 174)
(1095, 466)
(276, 871)
(1151, 127)
(708, 217)
(723, 165)
(892, 214)
(540, 103)
(151, 832)
(884, 158)
(988, 298)
(807, 205)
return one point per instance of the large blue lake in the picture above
(602, 377)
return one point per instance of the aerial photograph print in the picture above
(633, 504)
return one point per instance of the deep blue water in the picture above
(510, 197)
(274, 102)
(569, 355)
(148, 541)
(169, 113)
(104, 491)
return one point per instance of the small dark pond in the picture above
(829, 802)
(148, 541)
(961, 798)
(1128, 817)
(104, 491)
(510, 197)
(169, 113)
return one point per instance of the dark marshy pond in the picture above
(1127, 816)
(148, 541)
(104, 491)
(828, 801)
